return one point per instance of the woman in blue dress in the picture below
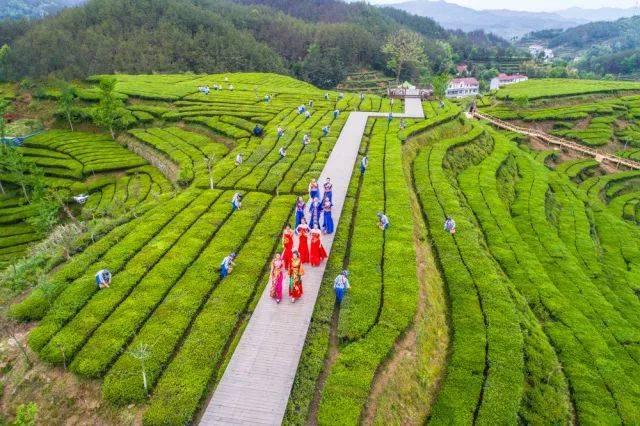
(300, 205)
(327, 224)
(314, 211)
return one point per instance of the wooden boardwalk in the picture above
(256, 384)
(564, 143)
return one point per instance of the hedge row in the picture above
(597, 366)
(185, 382)
(493, 357)
(86, 317)
(73, 285)
(349, 382)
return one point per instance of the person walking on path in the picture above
(300, 205)
(236, 202)
(327, 219)
(303, 240)
(103, 279)
(328, 190)
(276, 278)
(383, 221)
(341, 285)
(317, 253)
(390, 117)
(314, 212)
(450, 225)
(364, 162)
(314, 191)
(296, 271)
(227, 265)
(287, 246)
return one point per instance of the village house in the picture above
(463, 87)
(506, 79)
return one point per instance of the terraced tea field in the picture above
(528, 313)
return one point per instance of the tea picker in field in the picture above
(307, 115)
(317, 252)
(257, 131)
(450, 225)
(306, 139)
(283, 152)
(336, 113)
(341, 285)
(276, 277)
(287, 246)
(300, 205)
(267, 98)
(227, 265)
(403, 124)
(326, 96)
(303, 240)
(239, 159)
(327, 219)
(328, 190)
(325, 131)
(301, 109)
(280, 132)
(236, 202)
(296, 271)
(390, 117)
(314, 192)
(364, 163)
(103, 279)
(383, 221)
(311, 103)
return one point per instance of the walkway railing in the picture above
(574, 146)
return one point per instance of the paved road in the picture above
(256, 385)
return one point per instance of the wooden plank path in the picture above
(574, 146)
(257, 382)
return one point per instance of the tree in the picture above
(107, 113)
(67, 99)
(403, 48)
(4, 59)
(324, 68)
(440, 83)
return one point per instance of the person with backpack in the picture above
(103, 279)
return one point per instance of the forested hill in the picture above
(603, 47)
(317, 40)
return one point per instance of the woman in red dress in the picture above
(287, 246)
(303, 240)
(296, 271)
(317, 251)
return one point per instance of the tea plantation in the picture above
(540, 283)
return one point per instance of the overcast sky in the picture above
(533, 5)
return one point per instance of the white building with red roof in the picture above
(463, 87)
(505, 79)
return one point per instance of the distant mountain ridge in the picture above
(508, 23)
(16, 9)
